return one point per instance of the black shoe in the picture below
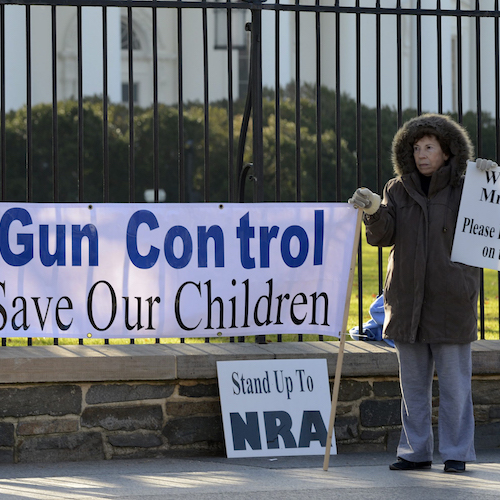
(403, 464)
(454, 466)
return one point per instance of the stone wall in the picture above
(93, 403)
(57, 422)
(369, 417)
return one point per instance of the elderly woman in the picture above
(430, 302)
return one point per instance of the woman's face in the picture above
(428, 155)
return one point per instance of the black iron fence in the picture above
(189, 101)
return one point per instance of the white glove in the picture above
(365, 199)
(484, 165)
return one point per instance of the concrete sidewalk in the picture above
(349, 477)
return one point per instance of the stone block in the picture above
(135, 440)
(346, 428)
(112, 393)
(199, 361)
(199, 391)
(129, 418)
(387, 389)
(481, 414)
(495, 412)
(486, 392)
(351, 390)
(92, 363)
(54, 400)
(68, 448)
(487, 436)
(193, 429)
(369, 435)
(6, 434)
(369, 358)
(343, 409)
(343, 448)
(393, 436)
(6, 456)
(435, 414)
(188, 408)
(52, 426)
(485, 357)
(377, 413)
(435, 388)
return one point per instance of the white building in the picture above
(431, 84)
(192, 60)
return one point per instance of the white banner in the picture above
(477, 234)
(275, 407)
(173, 270)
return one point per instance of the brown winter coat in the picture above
(427, 297)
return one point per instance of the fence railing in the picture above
(189, 101)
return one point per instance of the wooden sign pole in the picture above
(343, 334)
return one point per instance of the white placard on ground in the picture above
(275, 407)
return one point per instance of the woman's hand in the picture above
(483, 165)
(365, 199)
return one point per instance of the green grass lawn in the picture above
(370, 276)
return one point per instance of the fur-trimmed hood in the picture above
(450, 134)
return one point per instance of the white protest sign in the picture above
(275, 407)
(174, 270)
(477, 234)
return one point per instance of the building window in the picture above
(239, 36)
(136, 43)
(125, 88)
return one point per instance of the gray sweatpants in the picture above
(453, 365)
